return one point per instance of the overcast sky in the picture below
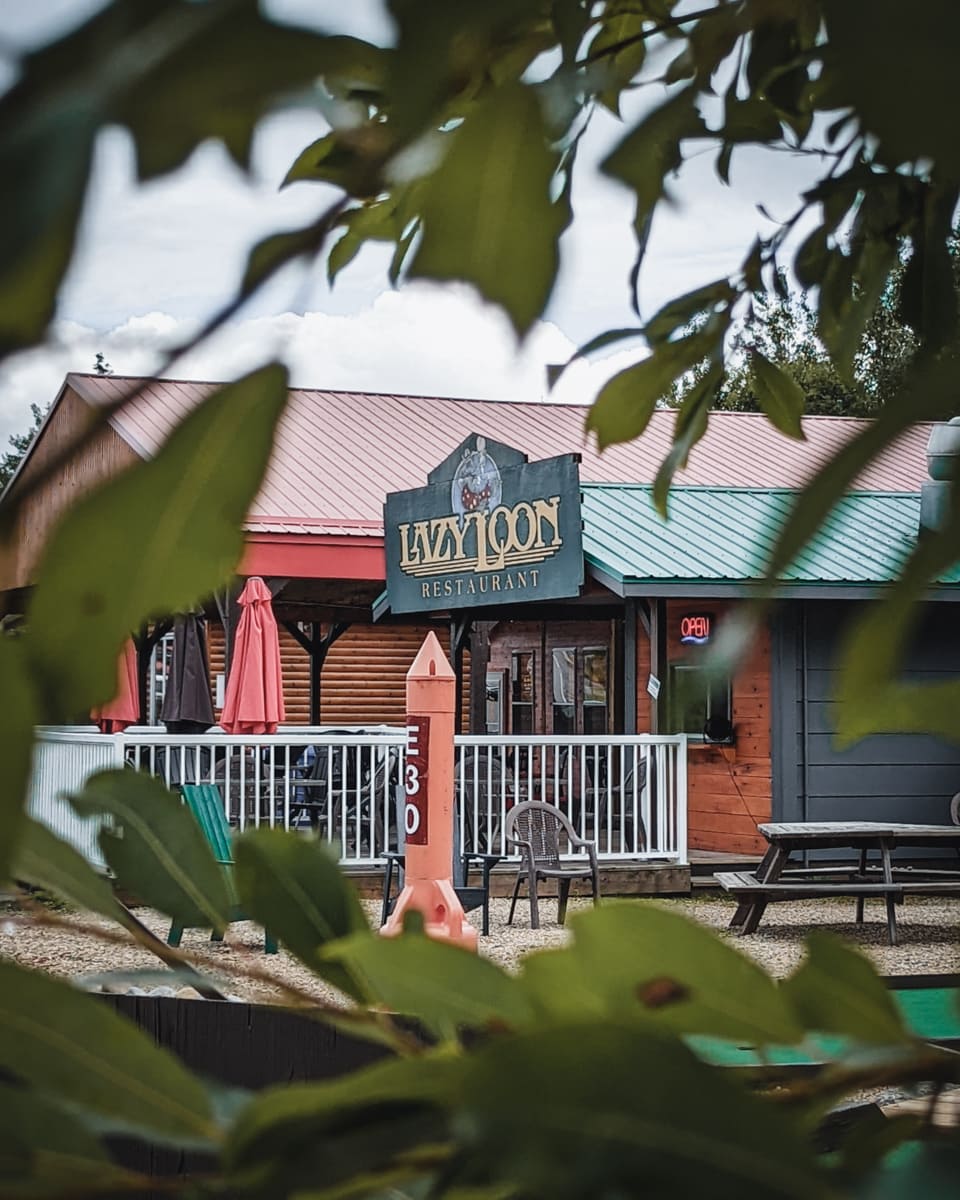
(155, 260)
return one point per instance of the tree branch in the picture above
(626, 43)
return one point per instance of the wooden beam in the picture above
(630, 666)
(479, 661)
(317, 645)
(460, 626)
(659, 665)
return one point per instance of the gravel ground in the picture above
(929, 941)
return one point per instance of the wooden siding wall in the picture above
(364, 677)
(886, 777)
(105, 457)
(729, 787)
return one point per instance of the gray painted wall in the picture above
(886, 777)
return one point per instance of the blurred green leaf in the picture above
(45, 1150)
(72, 1046)
(20, 715)
(221, 80)
(149, 542)
(295, 888)
(624, 24)
(155, 847)
(689, 428)
(871, 696)
(45, 159)
(372, 222)
(57, 1154)
(677, 314)
(928, 296)
(626, 402)
(612, 1104)
(44, 860)
(836, 990)
(609, 337)
(925, 1170)
(867, 42)
(872, 1138)
(275, 251)
(351, 162)
(750, 120)
(812, 258)
(641, 962)
(651, 151)
(443, 986)
(445, 47)
(487, 214)
(779, 395)
(336, 1127)
(929, 394)
(849, 292)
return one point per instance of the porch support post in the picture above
(317, 645)
(459, 637)
(229, 611)
(630, 665)
(658, 664)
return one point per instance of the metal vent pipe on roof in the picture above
(943, 453)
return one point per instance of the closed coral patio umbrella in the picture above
(124, 708)
(254, 698)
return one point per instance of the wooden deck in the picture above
(616, 879)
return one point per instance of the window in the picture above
(700, 702)
(580, 690)
(595, 680)
(521, 692)
(564, 691)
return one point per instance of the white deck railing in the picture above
(626, 794)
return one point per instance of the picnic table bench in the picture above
(772, 881)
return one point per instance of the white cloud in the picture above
(422, 340)
(153, 259)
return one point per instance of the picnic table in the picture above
(775, 880)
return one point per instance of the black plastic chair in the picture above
(536, 829)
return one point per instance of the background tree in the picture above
(20, 442)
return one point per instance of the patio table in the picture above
(772, 881)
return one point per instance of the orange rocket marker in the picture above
(428, 803)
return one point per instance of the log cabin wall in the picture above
(106, 456)
(728, 786)
(364, 677)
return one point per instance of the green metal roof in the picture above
(724, 535)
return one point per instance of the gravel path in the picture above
(929, 941)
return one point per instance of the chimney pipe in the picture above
(943, 453)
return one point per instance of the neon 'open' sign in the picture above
(696, 628)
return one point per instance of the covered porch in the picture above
(626, 793)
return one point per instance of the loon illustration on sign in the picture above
(489, 528)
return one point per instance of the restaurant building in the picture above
(567, 604)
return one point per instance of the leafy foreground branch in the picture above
(617, 1099)
(611, 1039)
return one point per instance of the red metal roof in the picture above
(337, 454)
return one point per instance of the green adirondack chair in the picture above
(206, 804)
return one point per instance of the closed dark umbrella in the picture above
(187, 707)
